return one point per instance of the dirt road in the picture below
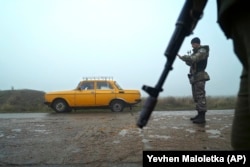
(105, 139)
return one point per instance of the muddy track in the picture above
(105, 139)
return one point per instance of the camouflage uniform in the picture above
(198, 77)
(234, 20)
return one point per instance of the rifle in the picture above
(190, 14)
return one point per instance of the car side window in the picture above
(87, 86)
(103, 85)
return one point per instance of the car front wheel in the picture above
(60, 106)
(117, 106)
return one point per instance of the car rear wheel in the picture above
(117, 106)
(60, 106)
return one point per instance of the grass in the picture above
(186, 103)
(26, 100)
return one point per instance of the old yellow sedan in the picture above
(93, 93)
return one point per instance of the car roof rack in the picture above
(98, 78)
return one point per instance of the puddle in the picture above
(16, 130)
(146, 144)
(158, 119)
(123, 132)
(42, 131)
(145, 140)
(187, 113)
(159, 136)
(10, 137)
(131, 131)
(116, 141)
(225, 127)
(40, 125)
(213, 133)
(175, 127)
(190, 130)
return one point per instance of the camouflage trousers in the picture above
(241, 39)
(199, 95)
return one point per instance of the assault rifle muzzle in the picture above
(186, 22)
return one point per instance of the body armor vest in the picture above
(201, 65)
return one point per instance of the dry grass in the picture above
(22, 101)
(186, 103)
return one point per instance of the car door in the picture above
(104, 93)
(85, 94)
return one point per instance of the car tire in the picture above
(60, 106)
(117, 106)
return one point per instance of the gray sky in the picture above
(51, 44)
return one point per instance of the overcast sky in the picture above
(50, 45)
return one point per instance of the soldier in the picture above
(198, 77)
(234, 20)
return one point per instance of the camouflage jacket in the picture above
(198, 63)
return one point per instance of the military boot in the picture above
(193, 118)
(200, 118)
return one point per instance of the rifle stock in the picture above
(186, 22)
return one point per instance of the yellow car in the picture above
(93, 93)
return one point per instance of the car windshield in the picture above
(118, 86)
(78, 86)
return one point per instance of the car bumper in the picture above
(138, 101)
